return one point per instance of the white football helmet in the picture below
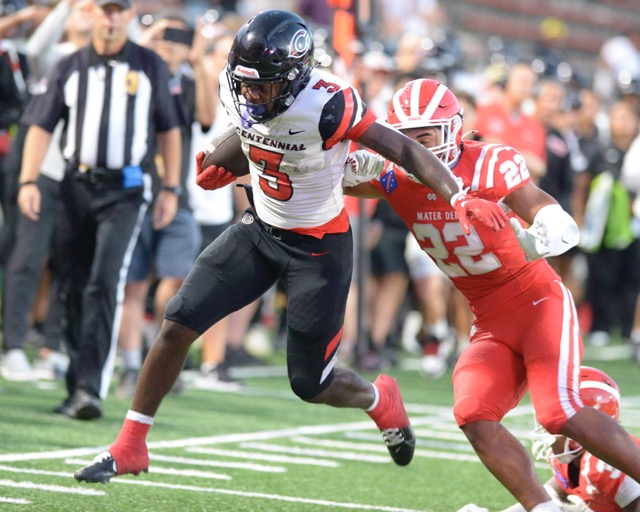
(427, 102)
(597, 390)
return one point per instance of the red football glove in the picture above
(212, 177)
(487, 212)
(130, 448)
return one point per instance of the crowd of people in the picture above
(480, 209)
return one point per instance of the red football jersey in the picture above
(598, 483)
(488, 267)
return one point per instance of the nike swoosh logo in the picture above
(536, 302)
(294, 132)
(319, 253)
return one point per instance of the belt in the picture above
(98, 174)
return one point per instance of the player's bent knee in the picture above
(552, 421)
(304, 388)
(468, 409)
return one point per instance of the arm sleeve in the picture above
(40, 46)
(628, 491)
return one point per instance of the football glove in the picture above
(552, 233)
(212, 177)
(467, 208)
(361, 166)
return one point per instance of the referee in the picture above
(115, 99)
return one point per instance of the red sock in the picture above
(130, 448)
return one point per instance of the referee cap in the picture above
(125, 4)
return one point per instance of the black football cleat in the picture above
(392, 420)
(401, 443)
(101, 470)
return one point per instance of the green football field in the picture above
(259, 450)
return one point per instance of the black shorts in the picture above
(248, 259)
(387, 256)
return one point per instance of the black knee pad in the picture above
(173, 306)
(304, 388)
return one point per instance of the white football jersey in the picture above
(297, 159)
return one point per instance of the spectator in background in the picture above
(14, 95)
(167, 253)
(109, 150)
(395, 18)
(505, 122)
(559, 178)
(619, 64)
(603, 211)
(589, 139)
(215, 211)
(34, 248)
(630, 178)
(387, 285)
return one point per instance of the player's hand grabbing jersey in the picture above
(297, 159)
(487, 266)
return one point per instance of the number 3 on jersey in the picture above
(273, 183)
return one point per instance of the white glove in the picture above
(472, 507)
(361, 166)
(534, 241)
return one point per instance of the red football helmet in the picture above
(426, 102)
(597, 390)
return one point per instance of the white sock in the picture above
(376, 398)
(140, 418)
(440, 329)
(547, 506)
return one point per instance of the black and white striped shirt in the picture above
(113, 106)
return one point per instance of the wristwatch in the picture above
(176, 189)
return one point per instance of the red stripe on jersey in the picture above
(333, 344)
(367, 120)
(345, 122)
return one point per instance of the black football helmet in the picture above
(274, 47)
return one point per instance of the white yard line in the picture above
(251, 455)
(52, 488)
(15, 501)
(276, 497)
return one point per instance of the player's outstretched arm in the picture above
(430, 171)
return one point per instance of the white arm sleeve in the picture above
(562, 231)
(552, 233)
(628, 491)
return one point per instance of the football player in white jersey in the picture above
(296, 124)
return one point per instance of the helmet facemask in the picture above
(283, 92)
(548, 446)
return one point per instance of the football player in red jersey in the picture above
(591, 483)
(295, 123)
(526, 334)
